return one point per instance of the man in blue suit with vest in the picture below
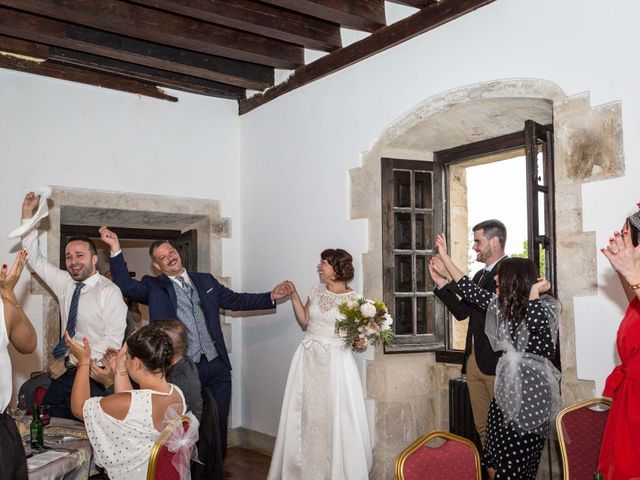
(195, 299)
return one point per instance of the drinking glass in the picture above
(21, 407)
(45, 415)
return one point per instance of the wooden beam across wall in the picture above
(427, 19)
(167, 29)
(258, 18)
(82, 39)
(367, 15)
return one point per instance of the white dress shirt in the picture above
(102, 313)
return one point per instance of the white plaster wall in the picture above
(59, 133)
(296, 152)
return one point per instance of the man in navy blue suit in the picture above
(195, 299)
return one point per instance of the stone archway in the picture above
(588, 147)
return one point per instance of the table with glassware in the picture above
(66, 454)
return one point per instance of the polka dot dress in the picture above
(513, 453)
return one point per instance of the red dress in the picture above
(620, 450)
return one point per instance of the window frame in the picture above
(529, 138)
(413, 342)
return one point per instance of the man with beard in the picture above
(91, 307)
(195, 299)
(489, 238)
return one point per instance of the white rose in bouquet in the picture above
(368, 310)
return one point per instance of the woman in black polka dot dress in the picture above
(523, 325)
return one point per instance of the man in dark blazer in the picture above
(195, 299)
(489, 238)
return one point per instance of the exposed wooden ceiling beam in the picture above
(74, 37)
(414, 3)
(167, 29)
(162, 78)
(367, 15)
(80, 75)
(60, 56)
(422, 21)
(258, 18)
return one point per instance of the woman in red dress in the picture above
(620, 450)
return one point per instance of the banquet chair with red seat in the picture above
(160, 461)
(580, 429)
(455, 458)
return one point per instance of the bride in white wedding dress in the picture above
(323, 432)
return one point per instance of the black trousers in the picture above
(216, 377)
(13, 460)
(59, 394)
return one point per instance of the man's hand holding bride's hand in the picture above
(282, 290)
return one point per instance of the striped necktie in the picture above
(61, 348)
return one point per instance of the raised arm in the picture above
(21, 333)
(454, 272)
(132, 289)
(81, 390)
(55, 278)
(300, 310)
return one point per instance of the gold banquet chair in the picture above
(580, 430)
(455, 459)
(160, 465)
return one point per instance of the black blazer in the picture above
(450, 295)
(159, 294)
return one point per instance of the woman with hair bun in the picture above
(522, 323)
(323, 431)
(123, 427)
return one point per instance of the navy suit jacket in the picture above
(159, 294)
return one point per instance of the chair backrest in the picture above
(160, 465)
(39, 395)
(580, 429)
(455, 459)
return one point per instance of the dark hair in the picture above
(152, 347)
(87, 240)
(493, 228)
(516, 276)
(155, 245)
(177, 333)
(341, 261)
(633, 231)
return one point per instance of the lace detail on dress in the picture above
(323, 310)
(328, 300)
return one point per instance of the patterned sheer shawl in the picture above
(527, 385)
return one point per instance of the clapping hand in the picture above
(81, 352)
(438, 271)
(9, 279)
(623, 256)
(441, 244)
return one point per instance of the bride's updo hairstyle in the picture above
(341, 261)
(152, 347)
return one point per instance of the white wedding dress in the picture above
(323, 432)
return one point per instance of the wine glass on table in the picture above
(45, 415)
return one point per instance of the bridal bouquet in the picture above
(364, 322)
